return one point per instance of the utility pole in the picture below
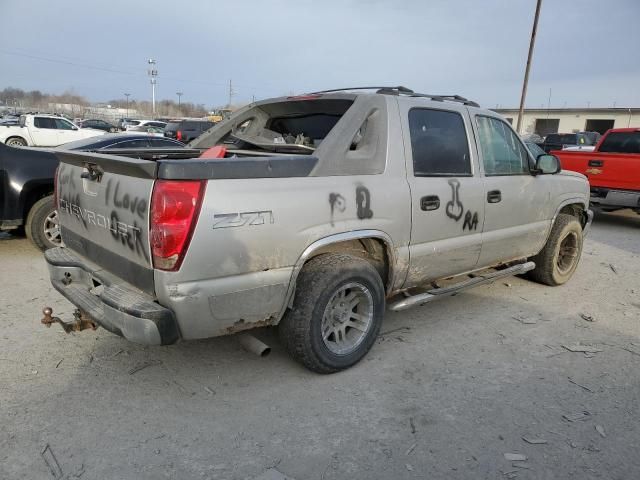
(153, 73)
(127, 95)
(231, 93)
(526, 72)
(179, 94)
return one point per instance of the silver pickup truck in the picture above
(316, 212)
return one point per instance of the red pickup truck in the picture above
(613, 169)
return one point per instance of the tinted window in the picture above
(130, 144)
(502, 151)
(158, 142)
(156, 124)
(438, 143)
(173, 126)
(44, 122)
(63, 124)
(562, 139)
(621, 142)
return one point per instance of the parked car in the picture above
(613, 169)
(26, 179)
(534, 148)
(323, 207)
(559, 141)
(140, 123)
(187, 130)
(44, 131)
(148, 129)
(99, 125)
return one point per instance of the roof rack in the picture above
(400, 90)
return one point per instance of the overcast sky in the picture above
(586, 51)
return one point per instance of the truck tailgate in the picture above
(606, 170)
(104, 212)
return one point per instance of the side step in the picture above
(435, 293)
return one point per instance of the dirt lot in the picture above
(448, 390)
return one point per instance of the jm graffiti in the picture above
(338, 203)
(363, 201)
(454, 208)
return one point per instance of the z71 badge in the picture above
(228, 220)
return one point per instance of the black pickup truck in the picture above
(26, 181)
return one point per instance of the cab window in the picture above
(438, 143)
(502, 151)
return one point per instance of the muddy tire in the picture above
(559, 258)
(42, 226)
(336, 315)
(16, 142)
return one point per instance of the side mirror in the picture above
(74, 128)
(547, 164)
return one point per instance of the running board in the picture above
(474, 281)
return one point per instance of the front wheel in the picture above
(559, 258)
(336, 315)
(42, 225)
(16, 142)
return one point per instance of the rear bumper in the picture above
(111, 303)
(605, 197)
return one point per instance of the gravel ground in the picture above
(446, 392)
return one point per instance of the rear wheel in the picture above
(42, 225)
(16, 142)
(336, 315)
(559, 258)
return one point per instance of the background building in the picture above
(567, 120)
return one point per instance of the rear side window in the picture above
(438, 143)
(621, 142)
(502, 151)
(63, 124)
(158, 142)
(44, 122)
(130, 144)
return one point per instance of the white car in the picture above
(139, 123)
(44, 131)
(148, 129)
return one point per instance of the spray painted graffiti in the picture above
(338, 203)
(454, 208)
(363, 201)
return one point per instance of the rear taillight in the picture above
(56, 202)
(179, 135)
(175, 206)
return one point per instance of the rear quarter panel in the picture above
(250, 234)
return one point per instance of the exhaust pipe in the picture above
(253, 345)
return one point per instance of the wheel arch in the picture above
(16, 136)
(575, 207)
(31, 193)
(374, 246)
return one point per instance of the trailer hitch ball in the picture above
(48, 319)
(80, 321)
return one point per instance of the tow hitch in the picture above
(80, 322)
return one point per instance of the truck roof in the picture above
(352, 92)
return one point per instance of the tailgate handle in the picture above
(596, 163)
(93, 172)
(430, 202)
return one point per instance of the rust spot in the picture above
(241, 325)
(81, 321)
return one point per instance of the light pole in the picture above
(127, 95)
(179, 94)
(526, 71)
(153, 73)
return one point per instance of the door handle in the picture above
(494, 196)
(596, 163)
(430, 202)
